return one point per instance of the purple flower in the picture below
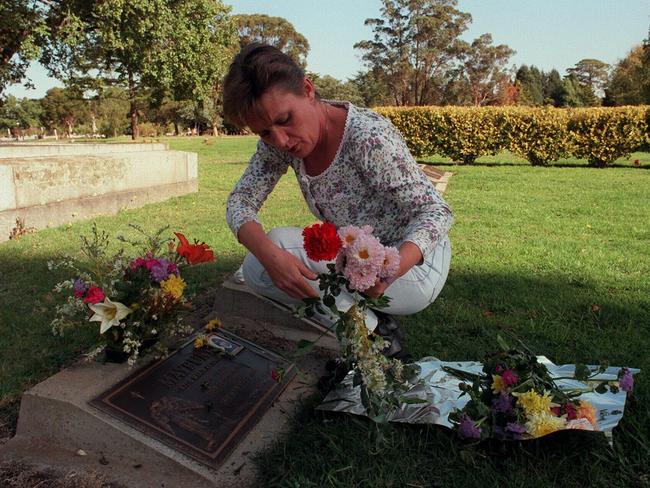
(502, 403)
(467, 428)
(161, 270)
(626, 380)
(516, 430)
(79, 287)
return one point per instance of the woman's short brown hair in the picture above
(254, 70)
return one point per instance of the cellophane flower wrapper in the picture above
(439, 394)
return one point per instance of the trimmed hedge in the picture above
(541, 135)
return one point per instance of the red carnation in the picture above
(510, 377)
(321, 241)
(198, 252)
(94, 295)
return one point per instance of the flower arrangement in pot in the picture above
(136, 300)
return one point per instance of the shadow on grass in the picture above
(31, 353)
(566, 318)
(339, 450)
(552, 314)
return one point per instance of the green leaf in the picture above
(303, 347)
(412, 400)
(582, 372)
(502, 343)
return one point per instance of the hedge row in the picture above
(541, 135)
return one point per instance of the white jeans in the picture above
(410, 293)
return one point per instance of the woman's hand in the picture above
(377, 289)
(409, 256)
(288, 273)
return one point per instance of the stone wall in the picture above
(52, 184)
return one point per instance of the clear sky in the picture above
(545, 33)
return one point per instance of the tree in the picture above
(371, 89)
(626, 85)
(274, 31)
(332, 89)
(576, 94)
(63, 108)
(591, 72)
(414, 45)
(147, 46)
(21, 22)
(483, 69)
(112, 111)
(553, 88)
(531, 85)
(21, 114)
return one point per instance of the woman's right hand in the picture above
(288, 273)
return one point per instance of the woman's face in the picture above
(288, 121)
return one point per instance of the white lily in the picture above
(108, 313)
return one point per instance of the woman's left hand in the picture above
(409, 256)
(377, 289)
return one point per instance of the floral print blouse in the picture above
(372, 180)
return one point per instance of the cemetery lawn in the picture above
(558, 256)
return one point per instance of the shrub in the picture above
(469, 133)
(538, 134)
(461, 133)
(420, 127)
(602, 135)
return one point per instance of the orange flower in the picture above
(587, 411)
(198, 252)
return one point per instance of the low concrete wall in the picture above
(52, 184)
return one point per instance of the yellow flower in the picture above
(498, 385)
(213, 324)
(200, 341)
(533, 403)
(173, 286)
(541, 424)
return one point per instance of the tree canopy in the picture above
(274, 31)
(21, 24)
(483, 69)
(148, 46)
(414, 45)
(630, 80)
(591, 72)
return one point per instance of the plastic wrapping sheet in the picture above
(441, 394)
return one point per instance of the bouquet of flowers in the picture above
(360, 261)
(517, 398)
(136, 300)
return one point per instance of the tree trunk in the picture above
(176, 131)
(215, 130)
(133, 109)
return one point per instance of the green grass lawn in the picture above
(534, 249)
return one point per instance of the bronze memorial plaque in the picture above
(200, 401)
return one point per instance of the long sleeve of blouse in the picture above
(373, 180)
(263, 172)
